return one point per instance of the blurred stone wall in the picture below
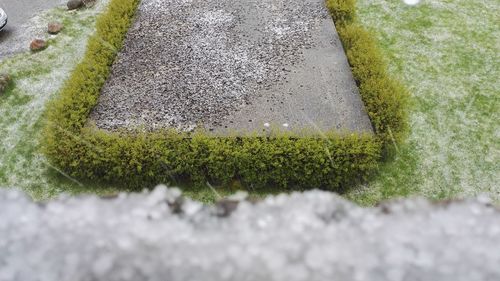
(303, 236)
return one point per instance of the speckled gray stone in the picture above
(226, 65)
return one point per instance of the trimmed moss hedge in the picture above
(282, 161)
(385, 99)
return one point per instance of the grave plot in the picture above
(225, 65)
(219, 67)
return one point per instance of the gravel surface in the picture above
(188, 63)
(309, 236)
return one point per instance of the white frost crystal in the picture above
(411, 2)
(303, 236)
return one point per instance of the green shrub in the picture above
(385, 99)
(385, 102)
(280, 161)
(283, 161)
(342, 11)
(365, 58)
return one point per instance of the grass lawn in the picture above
(37, 79)
(448, 55)
(446, 52)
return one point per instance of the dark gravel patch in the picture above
(188, 63)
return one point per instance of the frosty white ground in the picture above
(20, 30)
(38, 78)
(447, 53)
(310, 236)
(412, 2)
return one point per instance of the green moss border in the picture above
(385, 98)
(283, 161)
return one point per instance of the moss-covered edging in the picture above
(385, 98)
(284, 161)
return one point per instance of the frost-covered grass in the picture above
(448, 54)
(37, 78)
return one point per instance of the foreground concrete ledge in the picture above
(232, 67)
(308, 236)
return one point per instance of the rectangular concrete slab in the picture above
(226, 65)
